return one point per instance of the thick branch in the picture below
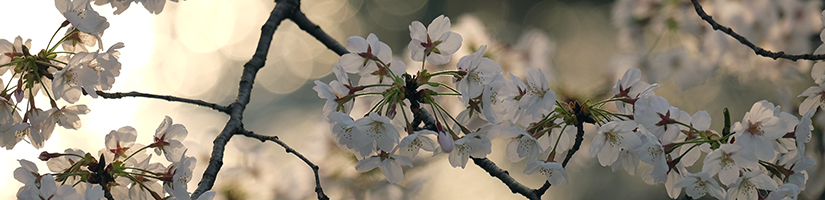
(301, 20)
(118, 95)
(758, 50)
(264, 138)
(281, 11)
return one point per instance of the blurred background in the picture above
(196, 49)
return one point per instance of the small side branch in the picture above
(758, 50)
(505, 177)
(264, 138)
(576, 146)
(303, 22)
(118, 95)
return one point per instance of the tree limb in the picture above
(118, 95)
(301, 20)
(282, 10)
(264, 138)
(758, 50)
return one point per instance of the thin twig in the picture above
(264, 138)
(118, 95)
(282, 10)
(301, 20)
(758, 50)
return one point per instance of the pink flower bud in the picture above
(444, 140)
(392, 113)
(45, 156)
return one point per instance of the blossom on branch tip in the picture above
(378, 132)
(538, 99)
(435, 42)
(630, 88)
(169, 139)
(107, 66)
(477, 72)
(553, 171)
(82, 16)
(787, 191)
(177, 175)
(336, 94)
(410, 145)
(67, 117)
(748, 185)
(475, 144)
(726, 161)
(522, 144)
(75, 77)
(119, 143)
(652, 152)
(658, 117)
(364, 53)
(699, 184)
(611, 138)
(758, 129)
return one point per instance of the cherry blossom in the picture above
(477, 72)
(378, 132)
(410, 145)
(748, 185)
(787, 191)
(436, 42)
(758, 128)
(726, 161)
(390, 164)
(538, 99)
(336, 95)
(611, 138)
(631, 89)
(119, 143)
(364, 53)
(522, 144)
(658, 117)
(177, 175)
(376, 74)
(475, 144)
(67, 117)
(554, 172)
(652, 152)
(699, 184)
(107, 66)
(71, 79)
(169, 139)
(498, 100)
(82, 16)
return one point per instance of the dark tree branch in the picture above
(758, 50)
(505, 177)
(264, 138)
(576, 146)
(282, 10)
(301, 20)
(421, 116)
(118, 95)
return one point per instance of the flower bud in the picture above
(444, 140)
(392, 112)
(45, 156)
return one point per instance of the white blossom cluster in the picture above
(124, 168)
(57, 74)
(762, 152)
